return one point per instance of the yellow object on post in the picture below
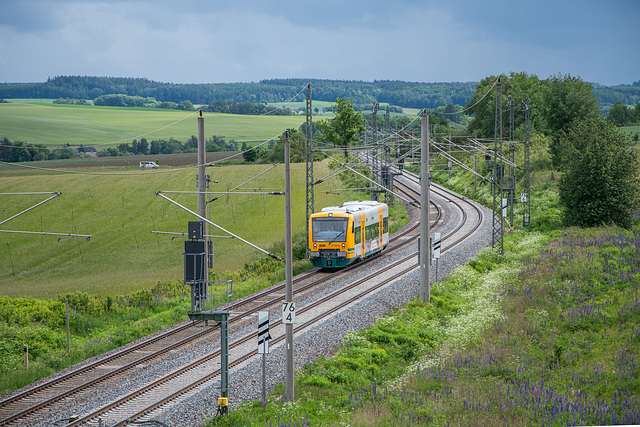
(223, 401)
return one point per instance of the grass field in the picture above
(631, 129)
(120, 209)
(56, 124)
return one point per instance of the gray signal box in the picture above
(194, 265)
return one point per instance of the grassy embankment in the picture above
(546, 334)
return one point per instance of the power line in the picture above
(137, 174)
(480, 100)
(286, 103)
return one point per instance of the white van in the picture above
(148, 165)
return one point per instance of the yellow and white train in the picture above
(342, 235)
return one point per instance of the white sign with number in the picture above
(523, 197)
(288, 312)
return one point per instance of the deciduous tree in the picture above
(601, 183)
(566, 99)
(344, 128)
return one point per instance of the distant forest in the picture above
(396, 93)
(403, 94)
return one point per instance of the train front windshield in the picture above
(329, 229)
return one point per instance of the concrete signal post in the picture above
(425, 247)
(289, 374)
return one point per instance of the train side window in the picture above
(386, 225)
(371, 232)
(358, 236)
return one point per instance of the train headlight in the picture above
(315, 246)
(343, 246)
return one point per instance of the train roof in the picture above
(355, 206)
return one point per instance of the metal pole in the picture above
(56, 194)
(425, 252)
(376, 108)
(202, 199)
(289, 394)
(224, 357)
(475, 170)
(376, 152)
(449, 152)
(526, 205)
(497, 237)
(310, 185)
(264, 380)
(512, 183)
(66, 302)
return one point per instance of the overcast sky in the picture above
(216, 41)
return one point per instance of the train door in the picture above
(363, 237)
(380, 227)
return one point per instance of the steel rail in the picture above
(173, 346)
(297, 329)
(251, 299)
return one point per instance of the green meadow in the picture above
(631, 130)
(118, 206)
(57, 124)
(119, 209)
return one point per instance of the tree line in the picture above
(622, 115)
(20, 151)
(403, 94)
(143, 146)
(229, 107)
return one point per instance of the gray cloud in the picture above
(250, 40)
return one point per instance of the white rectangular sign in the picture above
(437, 239)
(263, 332)
(288, 312)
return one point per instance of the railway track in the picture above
(18, 407)
(134, 405)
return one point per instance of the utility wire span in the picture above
(288, 102)
(468, 108)
(159, 193)
(148, 133)
(84, 260)
(45, 233)
(238, 186)
(337, 172)
(138, 174)
(411, 202)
